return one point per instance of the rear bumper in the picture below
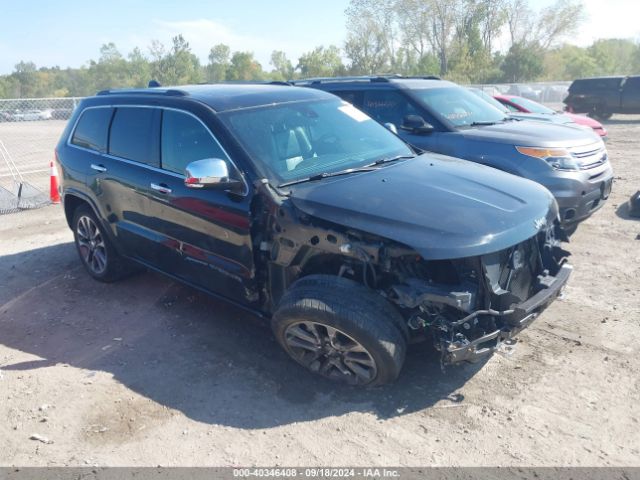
(513, 322)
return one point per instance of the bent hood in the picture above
(529, 133)
(442, 207)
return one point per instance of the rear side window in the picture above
(184, 140)
(387, 106)
(354, 98)
(134, 134)
(632, 84)
(595, 84)
(92, 129)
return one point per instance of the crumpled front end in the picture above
(468, 306)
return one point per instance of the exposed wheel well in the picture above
(71, 203)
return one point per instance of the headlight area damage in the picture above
(465, 306)
(469, 305)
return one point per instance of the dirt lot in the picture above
(148, 372)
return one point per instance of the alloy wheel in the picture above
(330, 352)
(91, 245)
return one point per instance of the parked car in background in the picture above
(61, 113)
(519, 105)
(513, 113)
(601, 97)
(297, 206)
(524, 91)
(30, 115)
(440, 116)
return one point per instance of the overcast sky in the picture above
(69, 33)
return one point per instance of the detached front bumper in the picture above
(513, 321)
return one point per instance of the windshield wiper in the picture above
(482, 123)
(381, 161)
(320, 176)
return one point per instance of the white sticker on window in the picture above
(353, 112)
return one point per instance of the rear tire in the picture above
(341, 330)
(601, 114)
(97, 253)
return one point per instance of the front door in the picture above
(204, 233)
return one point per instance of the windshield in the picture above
(459, 106)
(299, 140)
(530, 105)
(489, 99)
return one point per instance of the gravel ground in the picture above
(149, 372)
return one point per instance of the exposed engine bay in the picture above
(465, 306)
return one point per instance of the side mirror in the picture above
(210, 172)
(391, 127)
(416, 124)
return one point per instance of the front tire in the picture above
(97, 253)
(341, 330)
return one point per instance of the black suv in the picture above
(296, 206)
(601, 97)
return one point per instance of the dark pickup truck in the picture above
(601, 97)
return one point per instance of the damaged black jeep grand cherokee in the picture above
(295, 205)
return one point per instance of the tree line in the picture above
(455, 39)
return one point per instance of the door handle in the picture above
(98, 168)
(161, 188)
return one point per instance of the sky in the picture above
(70, 32)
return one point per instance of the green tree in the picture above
(282, 65)
(180, 66)
(613, 56)
(522, 63)
(26, 78)
(568, 62)
(244, 67)
(138, 68)
(110, 71)
(370, 43)
(219, 63)
(321, 62)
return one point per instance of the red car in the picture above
(519, 105)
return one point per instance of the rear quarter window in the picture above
(92, 129)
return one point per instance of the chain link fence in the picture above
(550, 94)
(29, 132)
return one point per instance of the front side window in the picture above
(133, 135)
(184, 140)
(293, 141)
(458, 106)
(92, 129)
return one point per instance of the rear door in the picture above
(631, 95)
(86, 148)
(119, 179)
(203, 234)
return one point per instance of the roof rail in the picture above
(360, 78)
(170, 92)
(248, 82)
(355, 78)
